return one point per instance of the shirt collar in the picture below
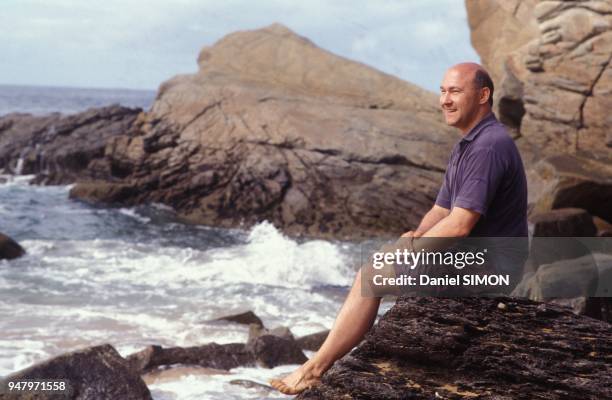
(479, 127)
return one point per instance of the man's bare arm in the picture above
(458, 223)
(430, 219)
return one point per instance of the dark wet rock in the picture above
(432, 348)
(272, 347)
(266, 350)
(564, 222)
(256, 331)
(246, 318)
(271, 351)
(9, 248)
(61, 149)
(313, 341)
(95, 373)
(212, 355)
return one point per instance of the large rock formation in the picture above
(551, 58)
(273, 127)
(502, 349)
(551, 63)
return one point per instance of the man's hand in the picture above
(414, 234)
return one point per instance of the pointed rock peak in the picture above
(277, 56)
(262, 46)
(279, 29)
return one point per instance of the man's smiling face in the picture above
(459, 98)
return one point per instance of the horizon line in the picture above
(51, 86)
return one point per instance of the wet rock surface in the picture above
(95, 373)
(9, 248)
(246, 318)
(313, 341)
(271, 351)
(212, 355)
(62, 149)
(265, 347)
(472, 348)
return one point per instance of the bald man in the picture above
(484, 193)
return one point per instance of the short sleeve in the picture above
(482, 173)
(444, 199)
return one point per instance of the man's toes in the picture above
(279, 385)
(283, 388)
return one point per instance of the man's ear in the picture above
(485, 93)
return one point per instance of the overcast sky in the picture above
(139, 44)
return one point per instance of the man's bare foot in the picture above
(299, 380)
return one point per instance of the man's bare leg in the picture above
(352, 323)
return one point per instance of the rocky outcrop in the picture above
(313, 341)
(265, 347)
(567, 265)
(212, 355)
(568, 181)
(246, 318)
(584, 284)
(502, 348)
(271, 351)
(9, 249)
(551, 61)
(61, 149)
(95, 373)
(273, 127)
(564, 222)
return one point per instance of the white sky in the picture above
(139, 44)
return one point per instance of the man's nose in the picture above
(445, 99)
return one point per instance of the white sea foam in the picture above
(135, 287)
(268, 257)
(271, 258)
(195, 386)
(130, 212)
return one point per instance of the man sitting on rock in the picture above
(484, 193)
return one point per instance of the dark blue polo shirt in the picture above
(485, 174)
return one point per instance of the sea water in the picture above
(133, 277)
